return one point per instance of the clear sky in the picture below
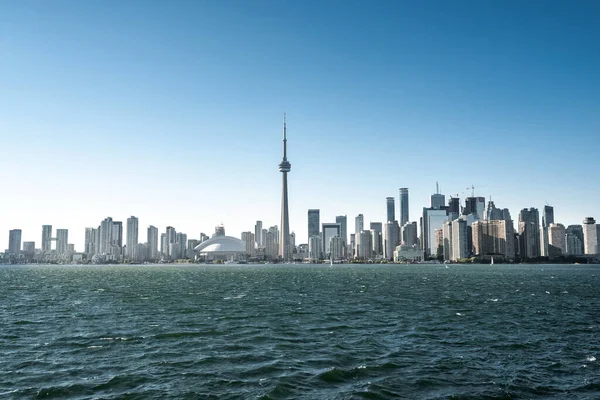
(172, 110)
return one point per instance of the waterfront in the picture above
(300, 331)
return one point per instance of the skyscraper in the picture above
(258, 234)
(403, 206)
(313, 222)
(557, 244)
(359, 223)
(14, 241)
(391, 214)
(590, 236)
(529, 233)
(475, 205)
(377, 233)
(438, 200)
(106, 232)
(90, 241)
(62, 241)
(153, 242)
(343, 221)
(574, 240)
(329, 231)
(132, 236)
(284, 168)
(391, 239)
(547, 219)
(46, 237)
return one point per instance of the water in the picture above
(314, 332)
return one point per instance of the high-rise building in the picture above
(432, 219)
(377, 232)
(590, 236)
(574, 240)
(403, 206)
(409, 234)
(529, 233)
(314, 248)
(366, 245)
(132, 236)
(14, 241)
(376, 243)
(391, 239)
(454, 207)
(313, 222)
(29, 249)
(181, 242)
(391, 209)
(284, 168)
(557, 245)
(164, 246)
(343, 221)
(106, 234)
(62, 241)
(329, 230)
(117, 237)
(438, 236)
(491, 213)
(248, 238)
(219, 231)
(359, 225)
(495, 237)
(475, 205)
(438, 200)
(271, 248)
(90, 242)
(46, 238)
(153, 243)
(258, 234)
(447, 236)
(336, 245)
(547, 219)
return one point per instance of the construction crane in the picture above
(472, 187)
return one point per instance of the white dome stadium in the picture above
(222, 247)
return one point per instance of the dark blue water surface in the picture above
(313, 332)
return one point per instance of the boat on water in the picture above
(492, 261)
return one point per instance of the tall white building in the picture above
(460, 244)
(132, 236)
(314, 248)
(336, 246)
(258, 234)
(248, 239)
(391, 239)
(447, 233)
(590, 236)
(152, 239)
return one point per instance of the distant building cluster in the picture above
(445, 232)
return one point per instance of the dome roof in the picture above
(222, 244)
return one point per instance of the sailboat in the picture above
(492, 261)
(331, 261)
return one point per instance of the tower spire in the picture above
(284, 138)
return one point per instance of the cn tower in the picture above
(284, 233)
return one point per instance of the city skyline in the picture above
(174, 116)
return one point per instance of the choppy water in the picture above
(314, 332)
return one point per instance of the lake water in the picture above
(300, 331)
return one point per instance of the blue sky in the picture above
(172, 111)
